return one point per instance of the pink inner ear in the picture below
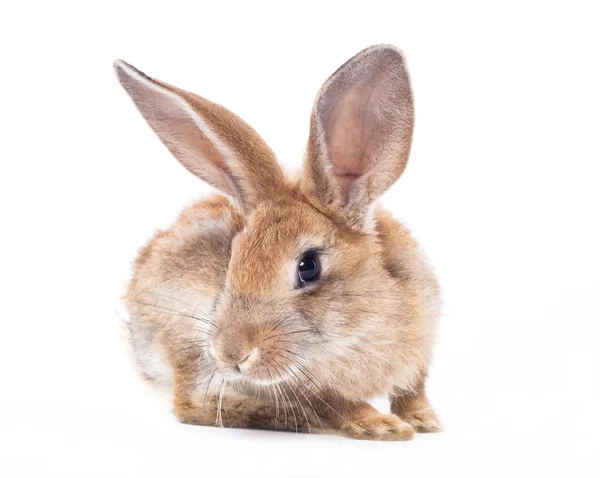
(361, 130)
(350, 131)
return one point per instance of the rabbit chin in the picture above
(235, 377)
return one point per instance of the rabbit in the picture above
(287, 303)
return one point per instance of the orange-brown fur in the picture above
(213, 301)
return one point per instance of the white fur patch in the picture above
(150, 354)
(154, 363)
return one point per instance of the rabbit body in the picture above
(287, 303)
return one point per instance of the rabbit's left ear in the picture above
(206, 138)
(361, 132)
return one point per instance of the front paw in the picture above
(423, 421)
(379, 427)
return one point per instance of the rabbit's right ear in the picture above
(360, 133)
(206, 138)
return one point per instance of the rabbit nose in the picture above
(240, 356)
(248, 360)
(235, 357)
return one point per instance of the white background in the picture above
(501, 190)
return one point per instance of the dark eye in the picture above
(309, 268)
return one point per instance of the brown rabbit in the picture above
(288, 303)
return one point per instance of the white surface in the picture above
(501, 190)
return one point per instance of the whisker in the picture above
(290, 403)
(302, 409)
(367, 295)
(147, 358)
(303, 369)
(274, 395)
(307, 400)
(280, 323)
(278, 392)
(287, 371)
(288, 333)
(306, 372)
(179, 301)
(205, 405)
(178, 313)
(167, 388)
(174, 299)
(219, 419)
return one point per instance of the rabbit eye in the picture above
(309, 268)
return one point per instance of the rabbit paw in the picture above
(379, 427)
(423, 421)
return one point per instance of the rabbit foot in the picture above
(379, 427)
(414, 408)
(423, 421)
(238, 411)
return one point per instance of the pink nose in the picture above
(248, 360)
(234, 355)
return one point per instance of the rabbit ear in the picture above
(361, 132)
(209, 140)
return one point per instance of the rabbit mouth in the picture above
(259, 366)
